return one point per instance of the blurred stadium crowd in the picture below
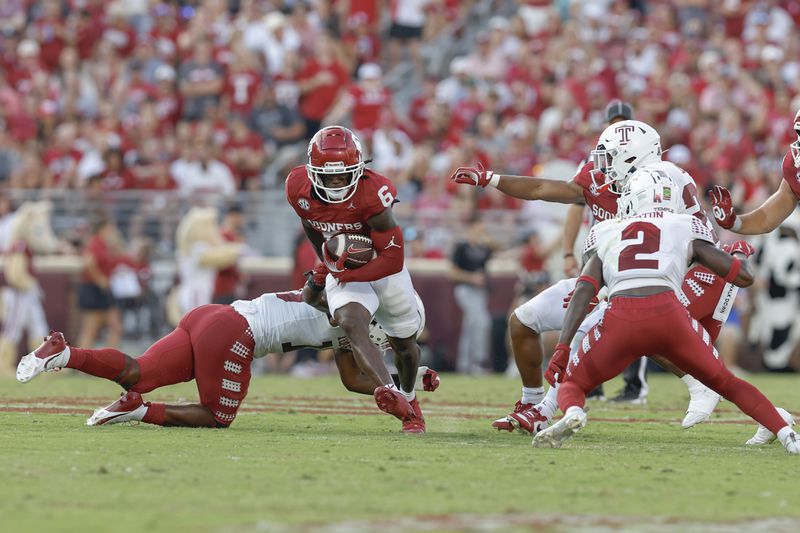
(179, 99)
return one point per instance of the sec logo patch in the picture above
(303, 203)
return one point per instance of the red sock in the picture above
(569, 395)
(156, 412)
(104, 363)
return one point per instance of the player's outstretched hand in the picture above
(476, 176)
(722, 207)
(558, 365)
(316, 276)
(568, 298)
(334, 266)
(740, 247)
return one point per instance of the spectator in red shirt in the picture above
(229, 285)
(363, 102)
(244, 153)
(320, 83)
(241, 83)
(95, 301)
(116, 176)
(51, 33)
(62, 158)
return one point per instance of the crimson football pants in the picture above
(633, 327)
(212, 345)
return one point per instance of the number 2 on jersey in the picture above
(647, 239)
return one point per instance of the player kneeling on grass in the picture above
(642, 258)
(214, 345)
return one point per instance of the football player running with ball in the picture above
(775, 209)
(335, 193)
(623, 148)
(641, 258)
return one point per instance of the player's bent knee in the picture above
(517, 328)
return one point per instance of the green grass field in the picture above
(307, 455)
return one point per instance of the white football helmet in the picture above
(649, 191)
(795, 146)
(623, 148)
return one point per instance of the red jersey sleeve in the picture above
(294, 182)
(378, 193)
(791, 174)
(584, 178)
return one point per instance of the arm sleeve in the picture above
(590, 244)
(390, 259)
(702, 232)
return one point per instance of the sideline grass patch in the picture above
(306, 454)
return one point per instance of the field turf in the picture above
(306, 455)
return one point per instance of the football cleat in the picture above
(392, 401)
(702, 402)
(415, 423)
(631, 396)
(505, 424)
(130, 407)
(792, 443)
(531, 421)
(553, 437)
(51, 355)
(764, 436)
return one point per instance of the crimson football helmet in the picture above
(335, 150)
(795, 146)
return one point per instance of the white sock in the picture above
(784, 433)
(420, 374)
(549, 404)
(409, 395)
(532, 395)
(573, 409)
(690, 381)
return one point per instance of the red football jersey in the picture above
(367, 106)
(241, 88)
(791, 174)
(374, 194)
(602, 204)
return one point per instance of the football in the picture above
(359, 248)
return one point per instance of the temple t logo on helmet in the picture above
(623, 148)
(624, 134)
(335, 163)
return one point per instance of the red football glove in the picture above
(722, 207)
(334, 267)
(476, 176)
(430, 380)
(740, 247)
(558, 364)
(316, 276)
(568, 298)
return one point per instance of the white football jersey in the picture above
(650, 249)
(687, 186)
(282, 322)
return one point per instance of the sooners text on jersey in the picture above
(791, 174)
(374, 194)
(602, 204)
